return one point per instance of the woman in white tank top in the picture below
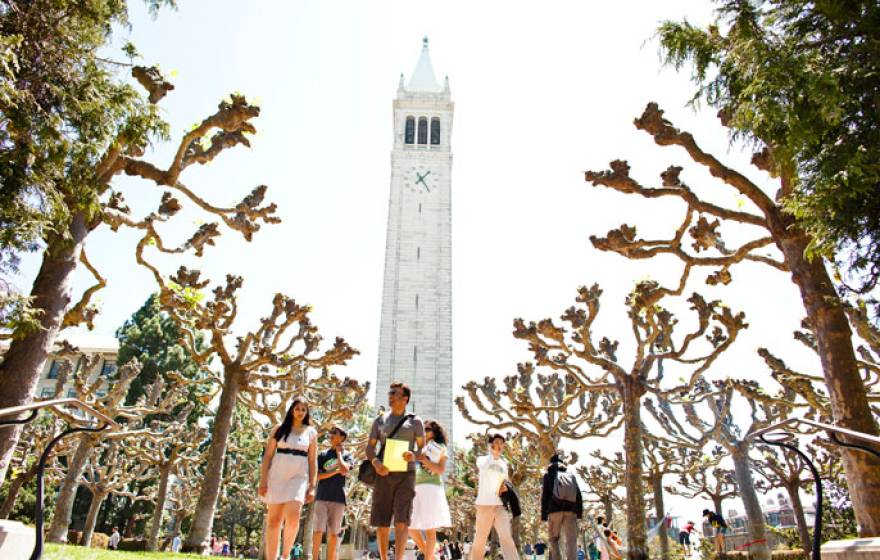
(288, 476)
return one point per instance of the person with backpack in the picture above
(561, 507)
(719, 527)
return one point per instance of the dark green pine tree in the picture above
(152, 337)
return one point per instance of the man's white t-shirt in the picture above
(493, 472)
(114, 539)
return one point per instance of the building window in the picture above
(415, 356)
(54, 369)
(435, 132)
(71, 394)
(417, 302)
(418, 253)
(409, 132)
(46, 392)
(423, 130)
(108, 369)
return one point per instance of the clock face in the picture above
(422, 179)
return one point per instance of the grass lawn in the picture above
(67, 552)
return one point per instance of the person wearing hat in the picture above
(561, 507)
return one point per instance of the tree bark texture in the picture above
(759, 549)
(846, 391)
(92, 518)
(161, 498)
(203, 519)
(609, 510)
(803, 531)
(14, 488)
(635, 498)
(26, 356)
(660, 511)
(67, 492)
(717, 503)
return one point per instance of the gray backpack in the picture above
(565, 488)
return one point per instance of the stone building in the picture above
(415, 340)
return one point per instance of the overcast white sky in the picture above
(543, 91)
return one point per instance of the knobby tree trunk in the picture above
(203, 519)
(607, 506)
(635, 498)
(759, 550)
(67, 492)
(846, 391)
(15, 487)
(803, 530)
(24, 360)
(161, 497)
(92, 517)
(717, 503)
(660, 511)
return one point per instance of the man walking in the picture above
(333, 466)
(395, 490)
(561, 507)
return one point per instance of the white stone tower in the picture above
(415, 338)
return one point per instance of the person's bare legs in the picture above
(332, 546)
(317, 537)
(401, 532)
(430, 543)
(273, 530)
(417, 538)
(292, 511)
(383, 535)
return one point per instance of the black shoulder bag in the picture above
(366, 471)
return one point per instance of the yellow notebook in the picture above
(393, 456)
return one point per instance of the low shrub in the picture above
(100, 540)
(133, 545)
(795, 554)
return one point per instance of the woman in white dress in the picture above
(288, 476)
(430, 508)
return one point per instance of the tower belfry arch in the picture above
(415, 336)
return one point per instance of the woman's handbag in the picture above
(366, 471)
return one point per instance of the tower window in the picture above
(415, 356)
(417, 302)
(409, 132)
(435, 131)
(423, 130)
(418, 253)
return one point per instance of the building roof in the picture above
(423, 78)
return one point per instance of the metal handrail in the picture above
(32, 410)
(786, 440)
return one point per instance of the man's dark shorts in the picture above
(684, 538)
(393, 497)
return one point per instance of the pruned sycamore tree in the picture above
(603, 478)
(543, 408)
(775, 228)
(284, 344)
(75, 124)
(716, 485)
(592, 365)
(108, 397)
(784, 469)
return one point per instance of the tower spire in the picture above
(423, 76)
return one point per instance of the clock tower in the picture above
(415, 337)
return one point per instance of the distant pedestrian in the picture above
(430, 508)
(175, 543)
(561, 507)
(581, 554)
(115, 537)
(719, 527)
(490, 509)
(684, 536)
(540, 549)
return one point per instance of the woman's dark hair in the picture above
(285, 427)
(493, 437)
(607, 532)
(439, 431)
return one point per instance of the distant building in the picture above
(107, 347)
(778, 513)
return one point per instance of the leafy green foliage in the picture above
(153, 338)
(801, 78)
